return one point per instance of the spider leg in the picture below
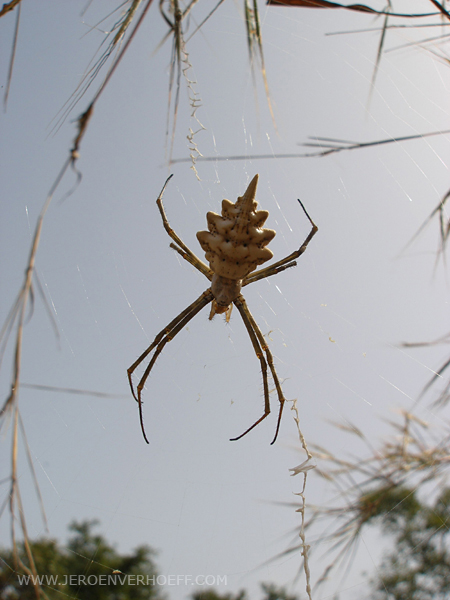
(183, 250)
(259, 344)
(192, 260)
(263, 273)
(164, 336)
(284, 262)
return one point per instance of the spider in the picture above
(234, 246)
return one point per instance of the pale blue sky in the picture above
(333, 323)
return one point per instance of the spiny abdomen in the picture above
(235, 244)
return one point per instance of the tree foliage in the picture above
(86, 558)
(419, 566)
(270, 592)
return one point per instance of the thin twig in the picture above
(11, 61)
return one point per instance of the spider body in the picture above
(234, 245)
(236, 241)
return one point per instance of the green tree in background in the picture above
(271, 592)
(401, 487)
(88, 555)
(91, 556)
(419, 566)
(212, 594)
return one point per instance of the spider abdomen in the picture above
(235, 243)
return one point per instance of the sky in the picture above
(334, 323)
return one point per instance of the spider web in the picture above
(111, 281)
